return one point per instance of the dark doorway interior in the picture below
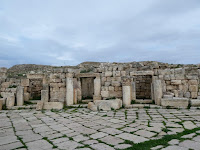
(87, 88)
(143, 87)
(35, 87)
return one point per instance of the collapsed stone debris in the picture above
(167, 85)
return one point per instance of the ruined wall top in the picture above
(85, 67)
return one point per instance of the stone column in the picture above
(79, 97)
(1, 104)
(44, 95)
(45, 87)
(75, 96)
(152, 92)
(133, 91)
(126, 89)
(157, 86)
(20, 96)
(97, 89)
(10, 101)
(69, 90)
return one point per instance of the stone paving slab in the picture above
(82, 129)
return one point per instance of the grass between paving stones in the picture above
(46, 138)
(84, 146)
(125, 112)
(19, 138)
(163, 141)
(70, 138)
(148, 114)
(137, 116)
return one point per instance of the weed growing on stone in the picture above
(45, 138)
(163, 141)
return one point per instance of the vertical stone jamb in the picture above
(69, 89)
(97, 89)
(126, 89)
(157, 86)
(44, 95)
(20, 96)
(133, 90)
(10, 101)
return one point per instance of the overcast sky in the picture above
(68, 32)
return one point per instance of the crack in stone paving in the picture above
(107, 130)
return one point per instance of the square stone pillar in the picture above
(79, 95)
(45, 87)
(1, 104)
(157, 86)
(97, 89)
(20, 96)
(69, 90)
(133, 91)
(44, 95)
(75, 96)
(126, 90)
(10, 101)
(126, 95)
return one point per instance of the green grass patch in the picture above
(28, 103)
(70, 138)
(4, 107)
(163, 141)
(147, 107)
(133, 102)
(137, 116)
(125, 114)
(55, 110)
(12, 86)
(165, 130)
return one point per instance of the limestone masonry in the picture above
(167, 85)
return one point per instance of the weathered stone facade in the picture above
(69, 85)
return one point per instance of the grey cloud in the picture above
(69, 32)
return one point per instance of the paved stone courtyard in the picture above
(82, 129)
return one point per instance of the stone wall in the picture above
(175, 80)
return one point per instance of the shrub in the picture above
(12, 86)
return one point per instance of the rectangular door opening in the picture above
(143, 87)
(87, 88)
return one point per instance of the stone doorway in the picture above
(87, 88)
(34, 89)
(143, 87)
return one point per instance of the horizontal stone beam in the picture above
(137, 73)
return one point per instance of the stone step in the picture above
(143, 106)
(23, 107)
(87, 100)
(80, 105)
(34, 101)
(144, 101)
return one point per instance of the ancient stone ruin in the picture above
(162, 84)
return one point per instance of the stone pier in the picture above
(157, 85)
(126, 89)
(69, 90)
(97, 89)
(20, 96)
(45, 95)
